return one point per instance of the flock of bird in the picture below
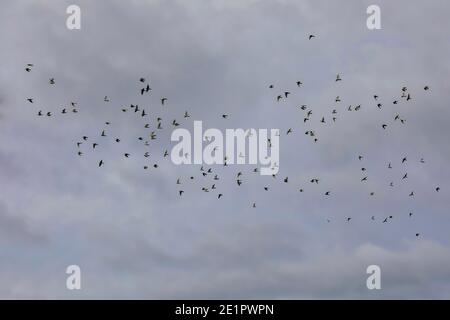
(91, 144)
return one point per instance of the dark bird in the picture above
(51, 81)
(311, 36)
(219, 196)
(30, 100)
(286, 93)
(163, 100)
(338, 77)
(100, 163)
(299, 83)
(180, 192)
(405, 176)
(126, 155)
(404, 160)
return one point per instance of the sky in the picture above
(128, 229)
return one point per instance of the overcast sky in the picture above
(128, 229)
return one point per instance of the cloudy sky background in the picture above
(128, 229)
